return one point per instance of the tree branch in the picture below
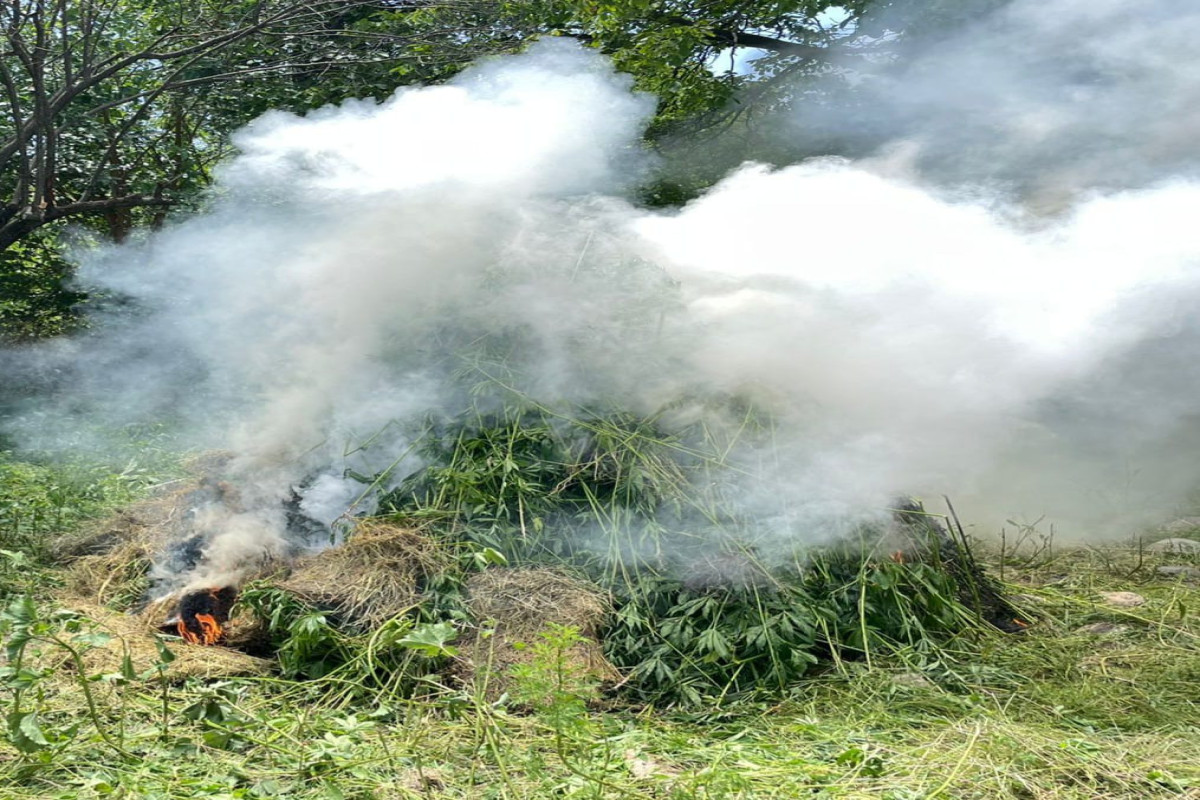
(733, 38)
(108, 204)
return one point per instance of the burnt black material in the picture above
(184, 555)
(303, 530)
(186, 552)
(216, 602)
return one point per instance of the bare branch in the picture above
(109, 204)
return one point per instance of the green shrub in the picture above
(35, 299)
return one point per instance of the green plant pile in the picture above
(708, 603)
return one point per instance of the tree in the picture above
(36, 301)
(113, 112)
(116, 107)
(689, 53)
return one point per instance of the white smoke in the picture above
(1044, 99)
(919, 340)
(907, 339)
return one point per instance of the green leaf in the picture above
(165, 656)
(217, 739)
(25, 733)
(431, 640)
(19, 679)
(90, 640)
(331, 792)
(492, 556)
(127, 671)
(851, 757)
(21, 611)
(16, 643)
(16, 559)
(266, 788)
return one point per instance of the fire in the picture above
(201, 615)
(211, 631)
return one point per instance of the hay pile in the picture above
(378, 573)
(511, 607)
(134, 635)
(108, 565)
(375, 575)
(109, 561)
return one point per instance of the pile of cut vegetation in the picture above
(381, 571)
(608, 526)
(107, 580)
(129, 643)
(109, 560)
(511, 608)
(701, 608)
(377, 573)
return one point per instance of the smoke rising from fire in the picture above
(908, 338)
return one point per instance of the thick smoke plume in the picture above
(907, 337)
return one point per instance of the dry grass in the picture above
(511, 607)
(137, 637)
(208, 464)
(109, 560)
(140, 529)
(374, 576)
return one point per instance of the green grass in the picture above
(41, 497)
(1052, 713)
(44, 499)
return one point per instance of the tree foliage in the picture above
(691, 54)
(113, 112)
(36, 300)
(118, 109)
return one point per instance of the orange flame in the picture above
(211, 631)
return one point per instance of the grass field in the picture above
(1067, 709)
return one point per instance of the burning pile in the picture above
(679, 625)
(202, 615)
(118, 562)
(136, 637)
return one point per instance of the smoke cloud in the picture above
(1046, 100)
(907, 335)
